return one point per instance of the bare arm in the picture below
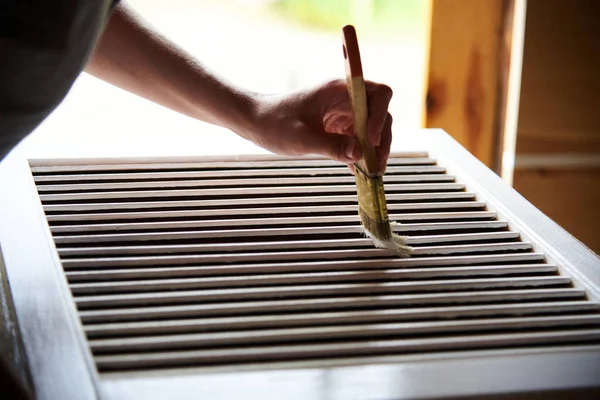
(132, 56)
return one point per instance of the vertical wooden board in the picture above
(560, 106)
(568, 196)
(466, 80)
(558, 138)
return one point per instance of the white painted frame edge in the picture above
(480, 374)
(60, 362)
(573, 258)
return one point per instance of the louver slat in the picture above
(430, 272)
(345, 350)
(225, 212)
(212, 223)
(319, 304)
(178, 297)
(271, 202)
(212, 263)
(291, 279)
(344, 317)
(283, 164)
(79, 187)
(229, 234)
(141, 176)
(279, 245)
(280, 256)
(341, 332)
(252, 191)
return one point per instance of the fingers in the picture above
(383, 151)
(339, 122)
(379, 97)
(324, 123)
(343, 148)
(351, 167)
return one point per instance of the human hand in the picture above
(319, 121)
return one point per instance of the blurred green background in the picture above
(375, 17)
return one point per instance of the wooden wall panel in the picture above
(468, 73)
(571, 197)
(558, 136)
(560, 86)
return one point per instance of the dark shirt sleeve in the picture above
(44, 45)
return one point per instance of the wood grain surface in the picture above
(468, 73)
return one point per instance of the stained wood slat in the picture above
(462, 237)
(141, 285)
(329, 333)
(474, 248)
(200, 164)
(271, 232)
(359, 301)
(278, 245)
(333, 265)
(291, 256)
(142, 176)
(349, 349)
(251, 192)
(225, 212)
(249, 222)
(194, 271)
(307, 291)
(248, 201)
(337, 265)
(218, 248)
(248, 182)
(340, 318)
(97, 262)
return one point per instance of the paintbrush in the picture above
(372, 206)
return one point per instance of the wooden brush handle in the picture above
(358, 98)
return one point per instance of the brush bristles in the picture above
(373, 214)
(382, 236)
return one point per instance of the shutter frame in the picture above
(560, 248)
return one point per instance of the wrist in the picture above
(242, 113)
(254, 116)
(212, 100)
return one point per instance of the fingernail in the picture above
(351, 150)
(376, 139)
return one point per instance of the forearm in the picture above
(317, 120)
(132, 56)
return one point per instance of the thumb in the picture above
(343, 148)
